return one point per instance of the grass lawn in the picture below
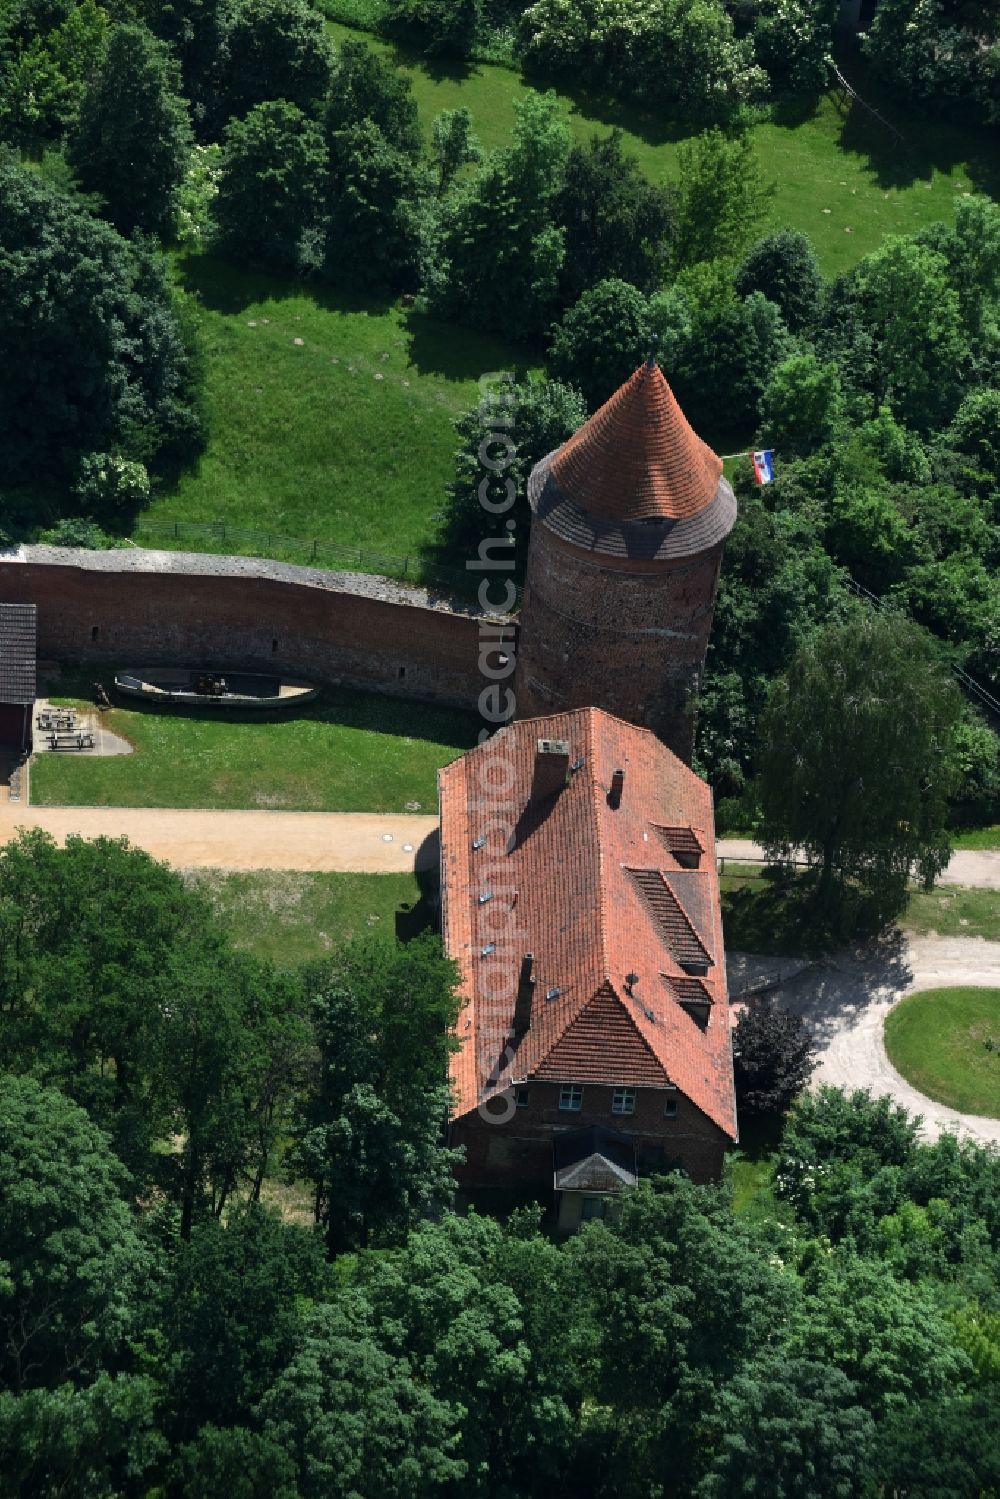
(345, 437)
(954, 911)
(347, 752)
(768, 916)
(946, 1042)
(988, 837)
(290, 918)
(834, 159)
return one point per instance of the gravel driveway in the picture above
(844, 998)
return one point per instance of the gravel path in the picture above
(348, 842)
(845, 999)
(967, 867)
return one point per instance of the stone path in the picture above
(967, 867)
(845, 998)
(356, 842)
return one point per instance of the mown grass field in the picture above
(946, 1042)
(289, 918)
(347, 752)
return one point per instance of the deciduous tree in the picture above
(132, 138)
(858, 759)
(269, 209)
(71, 1258)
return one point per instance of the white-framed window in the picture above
(623, 1101)
(593, 1207)
(521, 1097)
(670, 1109)
(571, 1097)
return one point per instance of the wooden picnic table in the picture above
(83, 739)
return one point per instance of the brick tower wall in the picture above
(629, 637)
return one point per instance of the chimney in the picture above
(615, 794)
(551, 769)
(525, 995)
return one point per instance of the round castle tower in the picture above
(630, 517)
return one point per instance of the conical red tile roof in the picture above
(637, 458)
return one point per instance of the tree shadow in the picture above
(226, 288)
(458, 353)
(838, 989)
(927, 145)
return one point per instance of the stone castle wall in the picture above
(146, 608)
(627, 636)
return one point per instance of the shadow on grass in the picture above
(457, 353)
(346, 707)
(226, 288)
(424, 914)
(928, 145)
(777, 912)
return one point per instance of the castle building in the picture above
(580, 901)
(629, 521)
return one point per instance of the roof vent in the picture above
(552, 993)
(484, 952)
(578, 764)
(486, 895)
(479, 842)
(615, 794)
(551, 768)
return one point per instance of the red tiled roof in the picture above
(564, 880)
(637, 458)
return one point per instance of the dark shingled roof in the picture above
(17, 653)
(593, 1159)
(635, 480)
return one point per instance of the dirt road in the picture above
(967, 867)
(358, 842)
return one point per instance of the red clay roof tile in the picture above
(561, 876)
(637, 458)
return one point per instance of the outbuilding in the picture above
(18, 629)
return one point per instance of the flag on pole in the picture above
(763, 465)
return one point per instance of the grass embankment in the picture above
(291, 918)
(347, 752)
(946, 1042)
(345, 436)
(306, 440)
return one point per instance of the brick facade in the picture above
(627, 636)
(518, 1150)
(137, 608)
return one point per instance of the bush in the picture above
(438, 27)
(792, 40)
(601, 340)
(112, 486)
(677, 56)
(80, 533)
(774, 1057)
